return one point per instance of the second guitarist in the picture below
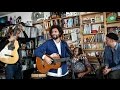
(13, 71)
(53, 47)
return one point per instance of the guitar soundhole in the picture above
(43, 66)
(53, 62)
(11, 47)
(9, 55)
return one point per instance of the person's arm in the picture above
(88, 70)
(40, 51)
(88, 66)
(105, 60)
(3, 43)
(22, 29)
(115, 68)
(26, 36)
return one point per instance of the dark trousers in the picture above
(13, 71)
(111, 75)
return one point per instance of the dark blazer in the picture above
(116, 57)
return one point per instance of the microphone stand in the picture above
(72, 68)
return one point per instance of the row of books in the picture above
(64, 23)
(89, 28)
(27, 63)
(27, 53)
(28, 45)
(42, 38)
(71, 22)
(94, 53)
(94, 38)
(94, 19)
(32, 32)
(114, 30)
(49, 23)
(93, 46)
(72, 34)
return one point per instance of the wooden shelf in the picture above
(93, 49)
(93, 13)
(94, 23)
(91, 42)
(70, 17)
(92, 34)
(37, 23)
(47, 20)
(72, 27)
(94, 59)
(16, 24)
(113, 24)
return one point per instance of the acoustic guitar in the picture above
(44, 67)
(9, 56)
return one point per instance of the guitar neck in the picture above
(61, 59)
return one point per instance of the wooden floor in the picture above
(38, 76)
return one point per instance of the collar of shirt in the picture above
(116, 46)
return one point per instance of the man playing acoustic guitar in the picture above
(54, 48)
(9, 53)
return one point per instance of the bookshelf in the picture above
(71, 28)
(113, 25)
(69, 24)
(93, 34)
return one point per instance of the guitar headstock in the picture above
(18, 20)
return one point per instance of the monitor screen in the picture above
(3, 20)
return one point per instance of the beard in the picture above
(55, 37)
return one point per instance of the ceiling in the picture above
(4, 13)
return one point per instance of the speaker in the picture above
(37, 15)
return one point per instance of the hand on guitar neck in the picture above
(12, 38)
(21, 27)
